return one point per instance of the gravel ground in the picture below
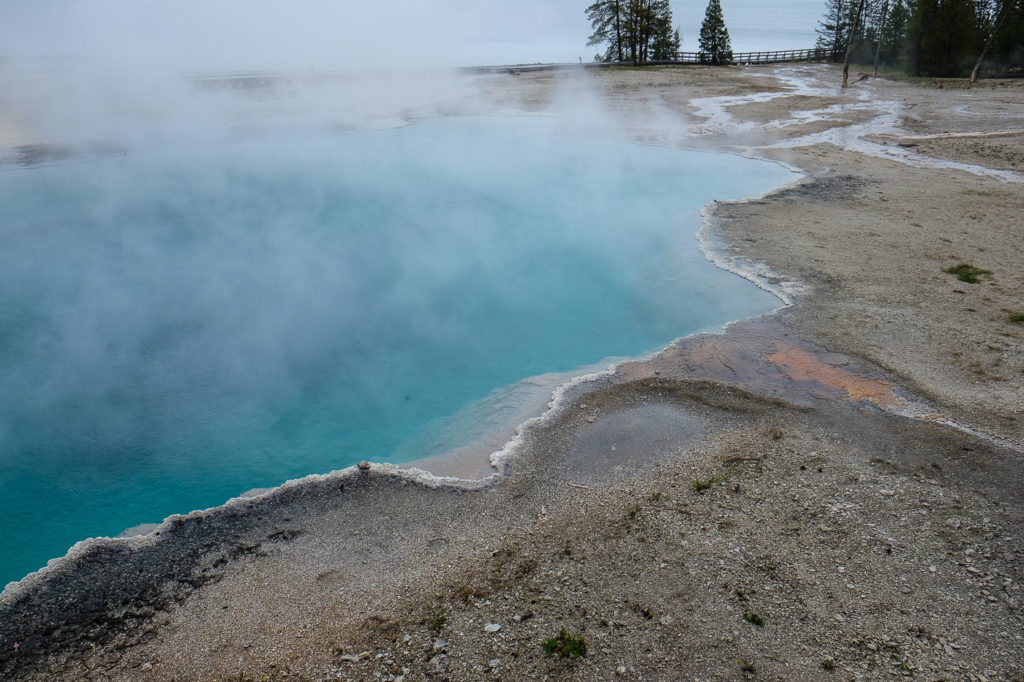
(831, 492)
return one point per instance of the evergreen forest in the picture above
(941, 38)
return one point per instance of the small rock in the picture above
(665, 620)
(494, 662)
(147, 666)
(364, 466)
(621, 670)
(492, 627)
(440, 645)
(438, 663)
(932, 568)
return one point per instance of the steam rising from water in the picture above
(297, 34)
(206, 289)
(181, 325)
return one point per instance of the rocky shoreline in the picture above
(779, 501)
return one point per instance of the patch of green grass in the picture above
(1017, 318)
(754, 619)
(902, 664)
(633, 511)
(747, 667)
(657, 497)
(699, 486)
(967, 273)
(438, 619)
(566, 645)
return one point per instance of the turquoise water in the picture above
(179, 326)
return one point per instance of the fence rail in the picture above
(773, 57)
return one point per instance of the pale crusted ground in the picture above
(745, 506)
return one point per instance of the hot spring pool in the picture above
(180, 325)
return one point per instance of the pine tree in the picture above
(921, 25)
(894, 33)
(715, 47)
(638, 30)
(666, 46)
(928, 37)
(606, 19)
(665, 42)
(833, 27)
(1006, 51)
(944, 38)
(634, 30)
(959, 38)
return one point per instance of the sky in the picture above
(330, 34)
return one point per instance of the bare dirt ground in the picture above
(831, 492)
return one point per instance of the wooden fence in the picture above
(773, 57)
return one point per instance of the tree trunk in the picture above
(618, 30)
(881, 31)
(838, 32)
(988, 40)
(849, 45)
